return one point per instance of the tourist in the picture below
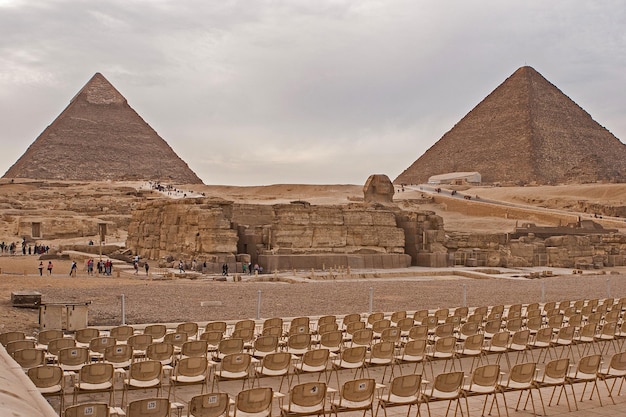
(40, 268)
(49, 267)
(181, 267)
(90, 266)
(147, 268)
(244, 266)
(225, 270)
(136, 266)
(249, 268)
(73, 269)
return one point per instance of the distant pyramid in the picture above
(100, 137)
(525, 131)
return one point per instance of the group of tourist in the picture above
(11, 248)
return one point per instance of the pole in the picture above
(608, 288)
(123, 299)
(258, 305)
(371, 300)
(543, 292)
(464, 295)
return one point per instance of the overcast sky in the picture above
(317, 91)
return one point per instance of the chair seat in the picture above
(142, 384)
(346, 365)
(396, 399)
(343, 403)
(441, 395)
(517, 385)
(299, 409)
(88, 386)
(50, 390)
(232, 375)
(188, 379)
(272, 372)
(479, 389)
(612, 372)
(303, 367)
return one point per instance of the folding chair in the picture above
(264, 345)
(227, 347)
(472, 347)
(214, 404)
(306, 399)
(98, 345)
(484, 382)
(143, 375)
(157, 331)
(414, 351)
(349, 358)
(233, 367)
(84, 336)
(95, 377)
(139, 343)
(520, 379)
(616, 370)
(149, 407)
(199, 348)
(48, 380)
(332, 341)
(299, 343)
(30, 357)
(404, 391)
(87, 410)
(382, 354)
(273, 365)
(11, 336)
(255, 402)
(355, 395)
(191, 328)
(554, 375)
(446, 387)
(122, 333)
(15, 345)
(45, 336)
(192, 370)
(313, 361)
(213, 339)
(586, 371)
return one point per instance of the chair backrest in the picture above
(118, 354)
(16, 345)
(350, 318)
(513, 325)
(500, 339)
(273, 322)
(215, 326)
(522, 373)
(327, 327)
(358, 390)
(73, 356)
(55, 345)
(45, 336)
(405, 324)
(195, 348)
(555, 320)
(397, 316)
(177, 338)
(213, 337)
(556, 369)
(310, 396)
(589, 364)
(87, 410)
(383, 350)
(85, 335)
(469, 328)
(96, 373)
(147, 370)
(140, 341)
(29, 357)
(149, 407)
(493, 326)
(266, 344)
(99, 344)
(277, 361)
(544, 335)
(12, 336)
(461, 312)
(474, 342)
(430, 321)
(162, 352)
(418, 332)
(420, 315)
(618, 361)
(245, 324)
(374, 317)
(256, 401)
(415, 347)
(534, 323)
(482, 310)
(192, 366)
(476, 318)
(228, 346)
(214, 404)
(391, 334)
(299, 341)
(122, 333)
(354, 326)
(609, 328)
(331, 340)
(299, 325)
(442, 314)
(328, 319)
(520, 337)
(157, 331)
(485, 376)
(405, 386)
(46, 376)
(363, 337)
(565, 333)
(445, 344)
(316, 357)
(246, 334)
(449, 382)
(354, 354)
(190, 327)
(236, 362)
(454, 320)
(379, 325)
(444, 330)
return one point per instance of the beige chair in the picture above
(378, 327)
(149, 407)
(414, 351)
(350, 318)
(519, 345)
(45, 336)
(382, 354)
(396, 316)
(213, 339)
(405, 325)
(349, 358)
(273, 322)
(404, 391)
(616, 370)
(497, 345)
(351, 328)
(87, 410)
(484, 381)
(444, 349)
(122, 333)
(467, 329)
(198, 348)
(355, 395)
(72, 359)
(543, 342)
(306, 399)
(565, 339)
(29, 357)
(191, 328)
(607, 336)
(275, 364)
(520, 379)
(441, 315)
(256, 402)
(192, 370)
(554, 375)
(176, 339)
(98, 345)
(162, 352)
(332, 341)
(299, 325)
(214, 404)
(215, 326)
(326, 327)
(492, 327)
(95, 377)
(325, 320)
(245, 324)
(418, 332)
(446, 387)
(246, 334)
(362, 337)
(264, 345)
(299, 343)
(420, 315)
(157, 331)
(391, 334)
(55, 345)
(313, 361)
(443, 330)
(235, 366)
(472, 347)
(586, 371)
(143, 375)
(48, 380)
(374, 317)
(585, 338)
(462, 312)
(12, 336)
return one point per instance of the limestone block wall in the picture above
(182, 229)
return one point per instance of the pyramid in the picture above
(525, 131)
(100, 137)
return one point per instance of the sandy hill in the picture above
(525, 131)
(100, 137)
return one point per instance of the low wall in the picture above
(321, 261)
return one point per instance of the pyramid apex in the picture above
(98, 90)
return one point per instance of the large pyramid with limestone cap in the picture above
(100, 137)
(525, 131)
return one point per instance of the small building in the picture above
(455, 178)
